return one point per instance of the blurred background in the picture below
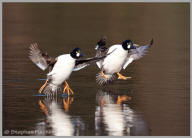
(156, 101)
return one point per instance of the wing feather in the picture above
(135, 54)
(42, 60)
(82, 63)
(101, 50)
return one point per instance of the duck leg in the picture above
(102, 102)
(121, 99)
(43, 86)
(69, 90)
(43, 107)
(120, 76)
(67, 103)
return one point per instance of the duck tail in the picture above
(50, 89)
(102, 80)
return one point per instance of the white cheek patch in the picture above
(78, 54)
(129, 46)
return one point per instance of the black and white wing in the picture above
(82, 63)
(42, 60)
(135, 54)
(101, 50)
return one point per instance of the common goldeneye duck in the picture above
(122, 55)
(60, 68)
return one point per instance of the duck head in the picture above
(76, 53)
(127, 45)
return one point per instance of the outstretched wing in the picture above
(101, 50)
(42, 60)
(82, 63)
(135, 54)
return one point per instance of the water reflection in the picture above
(114, 117)
(58, 122)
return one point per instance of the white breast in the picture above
(62, 69)
(114, 62)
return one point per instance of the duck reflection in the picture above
(114, 117)
(58, 122)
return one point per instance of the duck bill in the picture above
(81, 55)
(133, 47)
